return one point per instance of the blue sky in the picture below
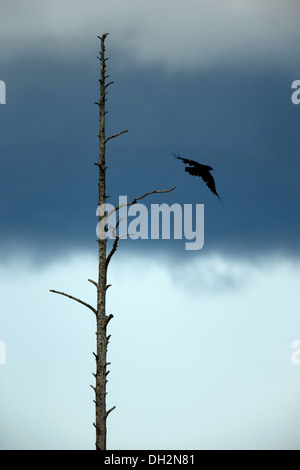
(201, 341)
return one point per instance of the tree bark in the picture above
(102, 339)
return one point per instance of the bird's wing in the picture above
(195, 170)
(194, 164)
(210, 182)
(185, 160)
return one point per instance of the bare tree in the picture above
(104, 257)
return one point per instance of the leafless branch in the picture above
(113, 250)
(138, 199)
(77, 300)
(116, 240)
(115, 135)
(109, 411)
(115, 244)
(108, 319)
(110, 83)
(93, 282)
(103, 36)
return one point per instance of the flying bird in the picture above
(197, 169)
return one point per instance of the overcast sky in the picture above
(210, 80)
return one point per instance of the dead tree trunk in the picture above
(102, 319)
(102, 338)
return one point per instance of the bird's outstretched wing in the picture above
(197, 169)
(210, 183)
(185, 160)
(189, 162)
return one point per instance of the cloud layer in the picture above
(176, 34)
(212, 366)
(246, 128)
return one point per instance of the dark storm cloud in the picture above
(244, 126)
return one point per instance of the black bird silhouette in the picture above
(197, 169)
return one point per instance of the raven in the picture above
(197, 169)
